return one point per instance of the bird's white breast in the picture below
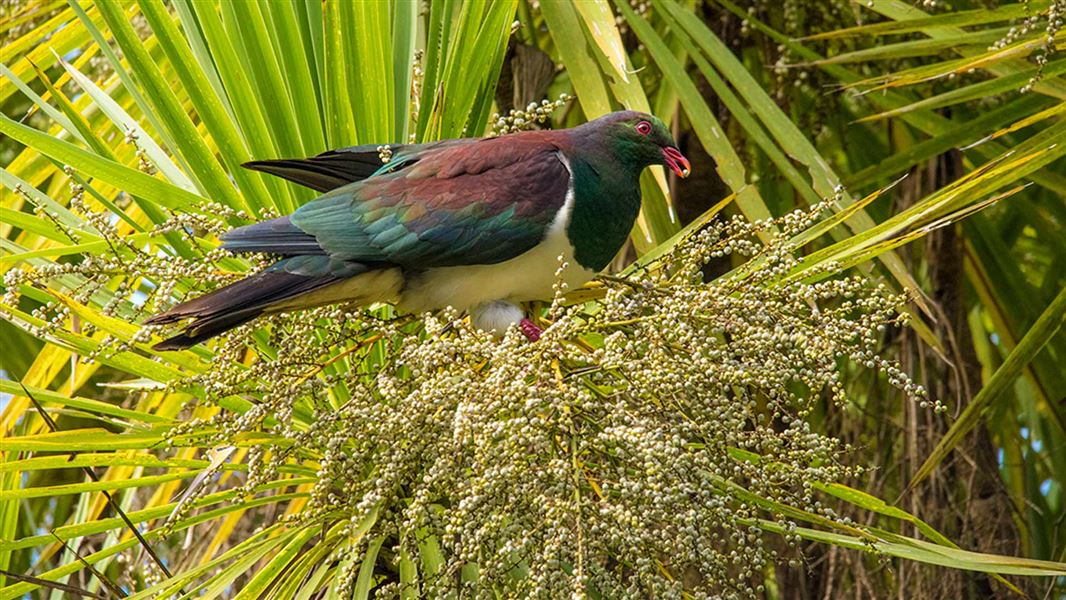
(528, 276)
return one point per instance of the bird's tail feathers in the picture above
(234, 305)
(206, 328)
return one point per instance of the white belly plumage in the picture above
(529, 276)
(490, 292)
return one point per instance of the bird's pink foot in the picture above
(531, 331)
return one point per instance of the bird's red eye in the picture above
(644, 128)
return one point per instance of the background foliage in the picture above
(125, 123)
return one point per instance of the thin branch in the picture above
(110, 585)
(70, 589)
(111, 501)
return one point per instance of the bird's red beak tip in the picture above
(676, 161)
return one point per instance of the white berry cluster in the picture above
(534, 113)
(634, 450)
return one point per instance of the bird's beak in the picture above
(676, 161)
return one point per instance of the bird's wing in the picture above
(466, 204)
(335, 168)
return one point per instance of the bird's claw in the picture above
(531, 331)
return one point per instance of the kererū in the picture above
(476, 224)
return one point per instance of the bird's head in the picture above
(638, 139)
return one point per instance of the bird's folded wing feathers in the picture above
(478, 203)
(335, 168)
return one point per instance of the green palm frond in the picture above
(124, 127)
